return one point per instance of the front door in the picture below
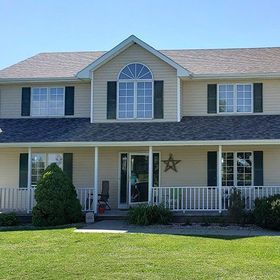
(134, 178)
(139, 178)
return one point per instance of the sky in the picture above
(28, 27)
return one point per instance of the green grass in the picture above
(63, 254)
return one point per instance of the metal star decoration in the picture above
(170, 163)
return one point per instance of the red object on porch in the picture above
(101, 209)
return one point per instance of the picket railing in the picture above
(185, 198)
(23, 200)
(188, 198)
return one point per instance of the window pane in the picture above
(56, 158)
(244, 168)
(144, 100)
(227, 169)
(38, 167)
(226, 93)
(244, 98)
(126, 100)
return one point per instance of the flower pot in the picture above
(101, 209)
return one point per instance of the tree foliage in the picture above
(56, 199)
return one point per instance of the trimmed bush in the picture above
(56, 198)
(267, 212)
(149, 214)
(8, 219)
(236, 206)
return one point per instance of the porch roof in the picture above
(207, 128)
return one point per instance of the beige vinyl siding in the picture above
(195, 96)
(10, 99)
(110, 71)
(83, 165)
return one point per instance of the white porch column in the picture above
(219, 177)
(150, 186)
(96, 177)
(29, 179)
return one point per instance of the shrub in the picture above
(149, 214)
(206, 221)
(236, 206)
(267, 212)
(8, 219)
(187, 222)
(56, 198)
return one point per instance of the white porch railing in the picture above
(85, 196)
(207, 198)
(16, 199)
(23, 200)
(187, 198)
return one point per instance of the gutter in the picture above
(271, 75)
(142, 143)
(40, 80)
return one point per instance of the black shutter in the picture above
(69, 101)
(212, 169)
(212, 99)
(25, 101)
(111, 100)
(258, 168)
(158, 99)
(258, 98)
(23, 170)
(68, 164)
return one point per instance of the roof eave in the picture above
(86, 72)
(38, 80)
(143, 143)
(268, 75)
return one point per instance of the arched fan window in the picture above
(135, 71)
(135, 92)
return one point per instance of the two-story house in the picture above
(179, 127)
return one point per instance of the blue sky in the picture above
(31, 26)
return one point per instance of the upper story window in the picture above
(47, 101)
(135, 92)
(235, 98)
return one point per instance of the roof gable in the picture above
(85, 73)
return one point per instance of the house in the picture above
(179, 127)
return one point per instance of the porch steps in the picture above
(112, 215)
(178, 217)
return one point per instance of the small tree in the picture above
(56, 198)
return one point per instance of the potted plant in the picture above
(101, 208)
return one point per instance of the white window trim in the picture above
(135, 81)
(235, 167)
(235, 98)
(48, 94)
(46, 159)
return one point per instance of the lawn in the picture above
(64, 254)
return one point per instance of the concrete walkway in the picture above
(120, 226)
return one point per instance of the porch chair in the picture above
(104, 195)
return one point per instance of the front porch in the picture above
(202, 183)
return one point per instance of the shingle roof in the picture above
(255, 127)
(50, 65)
(204, 61)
